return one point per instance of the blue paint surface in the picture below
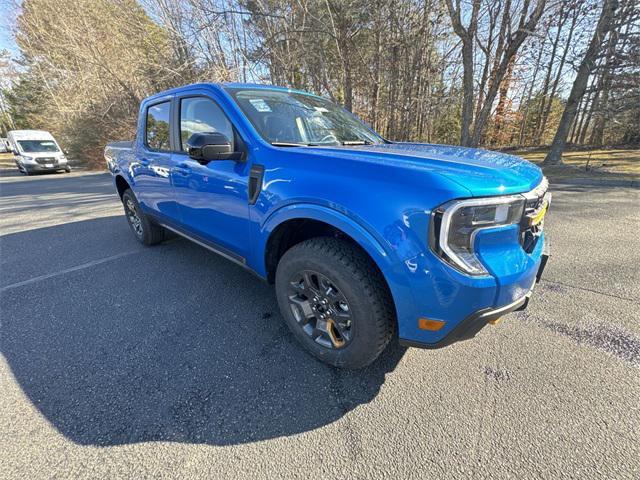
(382, 196)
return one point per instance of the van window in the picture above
(36, 146)
(157, 128)
(200, 115)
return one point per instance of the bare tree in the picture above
(587, 65)
(526, 24)
(94, 60)
(477, 72)
(510, 37)
(467, 37)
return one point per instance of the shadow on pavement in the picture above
(7, 171)
(170, 343)
(14, 172)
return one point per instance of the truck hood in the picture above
(482, 172)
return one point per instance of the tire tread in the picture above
(152, 232)
(360, 267)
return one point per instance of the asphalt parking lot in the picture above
(120, 361)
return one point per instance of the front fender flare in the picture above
(383, 255)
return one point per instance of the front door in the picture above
(212, 198)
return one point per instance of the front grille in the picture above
(44, 160)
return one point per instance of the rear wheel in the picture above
(144, 229)
(335, 302)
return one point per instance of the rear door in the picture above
(151, 169)
(212, 198)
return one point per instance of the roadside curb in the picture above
(602, 182)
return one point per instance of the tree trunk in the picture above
(547, 80)
(501, 108)
(467, 94)
(527, 103)
(597, 135)
(526, 26)
(554, 157)
(467, 36)
(576, 121)
(556, 82)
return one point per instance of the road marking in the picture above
(67, 270)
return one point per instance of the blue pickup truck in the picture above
(366, 240)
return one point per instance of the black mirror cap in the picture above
(210, 146)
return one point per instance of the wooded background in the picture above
(495, 73)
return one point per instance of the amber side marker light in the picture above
(495, 321)
(433, 325)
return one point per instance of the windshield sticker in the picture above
(260, 105)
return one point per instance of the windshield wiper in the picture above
(291, 144)
(356, 142)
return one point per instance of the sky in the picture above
(7, 17)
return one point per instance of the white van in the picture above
(37, 151)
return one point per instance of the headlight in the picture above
(455, 225)
(27, 158)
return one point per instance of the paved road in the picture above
(132, 362)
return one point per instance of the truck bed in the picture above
(121, 144)
(118, 152)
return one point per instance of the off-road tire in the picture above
(353, 273)
(149, 233)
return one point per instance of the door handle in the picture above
(182, 169)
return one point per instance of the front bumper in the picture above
(34, 168)
(473, 323)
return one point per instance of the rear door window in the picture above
(157, 127)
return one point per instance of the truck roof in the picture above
(222, 86)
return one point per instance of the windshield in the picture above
(289, 119)
(36, 146)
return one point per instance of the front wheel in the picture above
(142, 226)
(335, 301)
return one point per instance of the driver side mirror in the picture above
(211, 146)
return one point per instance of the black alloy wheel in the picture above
(144, 228)
(321, 310)
(133, 218)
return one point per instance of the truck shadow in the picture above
(170, 343)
